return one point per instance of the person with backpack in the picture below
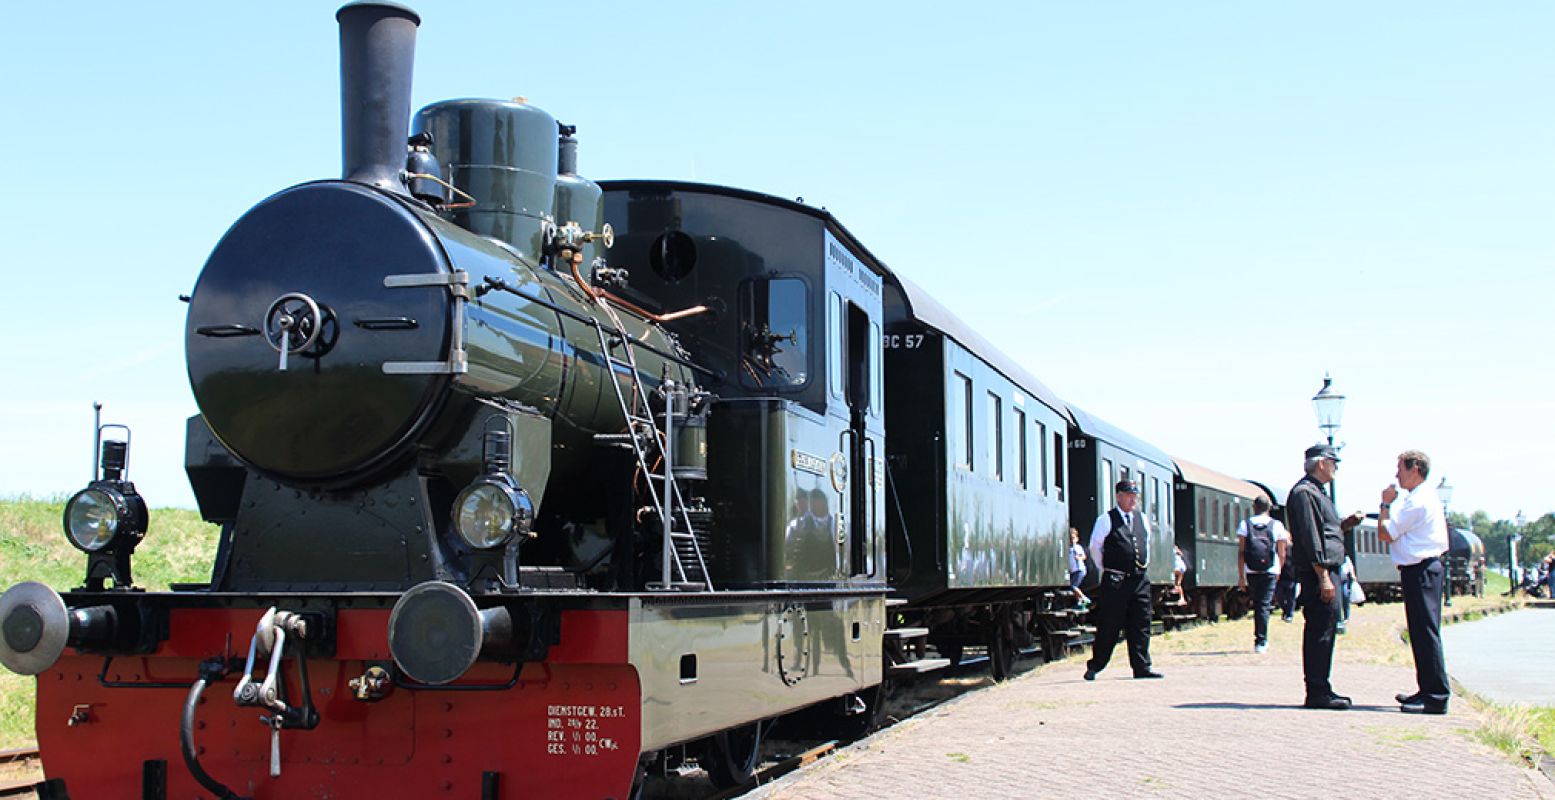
(1263, 542)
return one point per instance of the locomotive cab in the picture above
(794, 329)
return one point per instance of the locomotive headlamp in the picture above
(93, 515)
(492, 511)
(107, 519)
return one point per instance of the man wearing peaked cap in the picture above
(1120, 545)
(1316, 551)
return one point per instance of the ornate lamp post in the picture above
(1444, 491)
(1329, 407)
(1511, 551)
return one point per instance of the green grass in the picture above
(178, 549)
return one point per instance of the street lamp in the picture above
(1329, 407)
(1444, 491)
(1511, 551)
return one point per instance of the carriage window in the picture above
(1020, 447)
(1042, 456)
(834, 344)
(773, 333)
(996, 436)
(1108, 492)
(1155, 485)
(961, 418)
(1058, 464)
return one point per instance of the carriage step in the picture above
(1175, 603)
(892, 602)
(1081, 641)
(1086, 628)
(919, 666)
(906, 633)
(1180, 617)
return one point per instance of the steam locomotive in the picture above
(527, 483)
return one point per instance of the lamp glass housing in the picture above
(1329, 407)
(484, 513)
(92, 518)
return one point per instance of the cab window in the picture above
(774, 334)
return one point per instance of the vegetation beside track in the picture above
(178, 548)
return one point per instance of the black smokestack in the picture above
(377, 51)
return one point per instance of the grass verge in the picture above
(178, 548)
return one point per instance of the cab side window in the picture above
(774, 334)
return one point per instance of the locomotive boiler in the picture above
(469, 541)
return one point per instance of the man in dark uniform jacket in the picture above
(1120, 544)
(1316, 551)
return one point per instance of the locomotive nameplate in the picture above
(804, 462)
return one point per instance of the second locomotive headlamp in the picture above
(493, 510)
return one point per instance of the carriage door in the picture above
(860, 356)
(856, 404)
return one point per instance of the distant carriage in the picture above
(1465, 551)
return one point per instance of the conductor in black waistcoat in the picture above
(1316, 551)
(1120, 544)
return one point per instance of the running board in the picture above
(920, 666)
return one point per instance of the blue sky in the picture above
(1179, 216)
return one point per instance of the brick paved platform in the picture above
(1223, 724)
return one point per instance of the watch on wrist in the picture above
(1384, 506)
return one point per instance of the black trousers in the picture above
(1422, 585)
(1317, 639)
(1285, 592)
(1124, 606)
(1260, 591)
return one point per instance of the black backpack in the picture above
(1260, 546)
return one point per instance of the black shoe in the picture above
(1407, 699)
(1090, 674)
(1423, 708)
(1332, 702)
(1149, 673)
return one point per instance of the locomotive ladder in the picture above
(683, 566)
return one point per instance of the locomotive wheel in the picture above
(730, 757)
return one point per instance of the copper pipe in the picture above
(595, 294)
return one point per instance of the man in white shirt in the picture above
(1120, 546)
(1260, 552)
(1417, 532)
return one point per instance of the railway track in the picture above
(14, 764)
